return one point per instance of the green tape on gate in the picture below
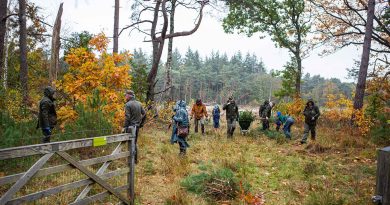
(99, 141)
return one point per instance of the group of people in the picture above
(311, 113)
(135, 116)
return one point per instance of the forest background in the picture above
(90, 79)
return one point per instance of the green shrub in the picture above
(13, 133)
(246, 116)
(91, 121)
(380, 133)
(218, 185)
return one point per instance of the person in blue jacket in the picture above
(216, 116)
(180, 119)
(287, 126)
(280, 120)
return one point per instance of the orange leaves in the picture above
(100, 71)
(338, 108)
(99, 42)
(65, 115)
(293, 108)
(249, 198)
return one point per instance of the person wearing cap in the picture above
(47, 117)
(134, 113)
(199, 113)
(311, 113)
(231, 116)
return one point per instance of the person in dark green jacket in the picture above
(231, 116)
(134, 113)
(311, 113)
(47, 117)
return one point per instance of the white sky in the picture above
(96, 16)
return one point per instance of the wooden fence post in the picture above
(383, 177)
(131, 161)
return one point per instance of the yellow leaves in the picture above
(65, 115)
(338, 108)
(99, 42)
(293, 108)
(363, 121)
(103, 72)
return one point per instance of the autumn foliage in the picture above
(95, 71)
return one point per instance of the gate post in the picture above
(383, 177)
(131, 163)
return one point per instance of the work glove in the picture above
(313, 118)
(47, 130)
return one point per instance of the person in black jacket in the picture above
(265, 114)
(311, 113)
(47, 117)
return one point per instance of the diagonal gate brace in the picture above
(93, 176)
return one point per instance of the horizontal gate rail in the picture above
(24, 151)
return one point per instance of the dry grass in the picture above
(285, 173)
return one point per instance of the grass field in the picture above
(336, 169)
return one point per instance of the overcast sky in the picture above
(97, 16)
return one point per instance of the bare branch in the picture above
(134, 24)
(186, 33)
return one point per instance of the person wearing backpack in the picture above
(180, 127)
(216, 116)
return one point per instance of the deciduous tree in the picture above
(158, 33)
(287, 22)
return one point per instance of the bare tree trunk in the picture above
(55, 47)
(298, 76)
(3, 30)
(116, 26)
(168, 66)
(23, 50)
(5, 79)
(361, 84)
(158, 46)
(158, 42)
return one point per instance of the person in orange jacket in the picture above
(199, 113)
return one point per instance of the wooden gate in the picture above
(11, 183)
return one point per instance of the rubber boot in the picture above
(202, 127)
